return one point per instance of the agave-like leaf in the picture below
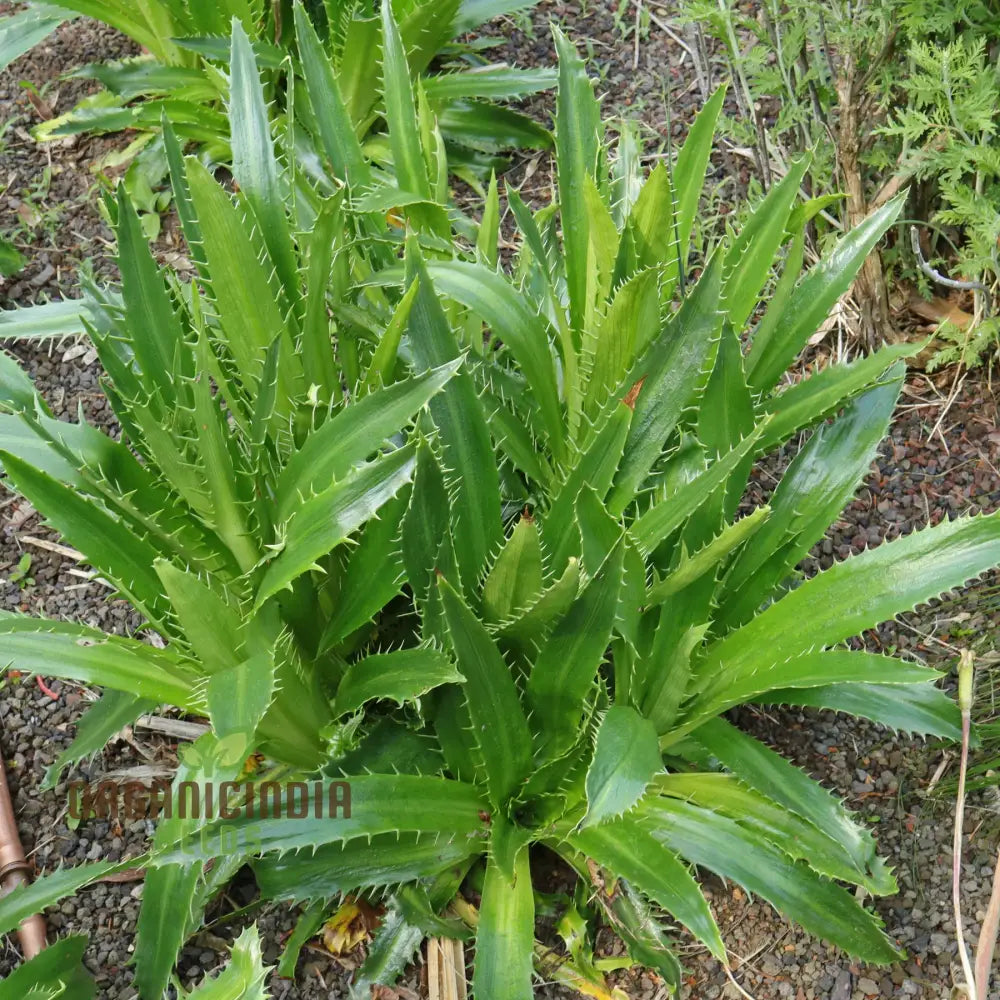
(326, 520)
(858, 593)
(378, 804)
(815, 295)
(243, 976)
(491, 694)
(402, 676)
(712, 841)
(506, 933)
(58, 971)
(78, 653)
(630, 851)
(626, 757)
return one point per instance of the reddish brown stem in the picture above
(988, 936)
(15, 871)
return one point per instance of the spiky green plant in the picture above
(247, 510)
(184, 74)
(589, 603)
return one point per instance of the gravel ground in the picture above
(48, 203)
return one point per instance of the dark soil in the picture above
(49, 204)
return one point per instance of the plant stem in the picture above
(965, 704)
(988, 935)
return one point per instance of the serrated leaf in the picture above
(492, 298)
(105, 718)
(627, 849)
(355, 433)
(548, 609)
(807, 402)
(373, 575)
(506, 933)
(336, 129)
(751, 255)
(499, 725)
(860, 592)
(912, 708)
(401, 676)
(210, 623)
(564, 669)
(626, 756)
(797, 837)
(668, 373)
(814, 489)
(425, 523)
(712, 841)
(515, 581)
(57, 973)
(467, 452)
(325, 521)
(108, 543)
(244, 974)
(46, 890)
(768, 772)
(75, 652)
(382, 860)
(378, 804)
(814, 296)
(239, 696)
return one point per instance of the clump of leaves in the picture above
(184, 74)
(584, 600)
(247, 511)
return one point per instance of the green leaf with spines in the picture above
(912, 708)
(821, 395)
(815, 487)
(255, 165)
(326, 520)
(713, 841)
(595, 468)
(466, 449)
(401, 676)
(814, 296)
(243, 976)
(500, 728)
(108, 544)
(97, 726)
(566, 664)
(379, 804)
(751, 253)
(625, 848)
(626, 757)
(336, 129)
(355, 433)
(382, 860)
(86, 655)
(668, 371)
(550, 607)
(710, 557)
(797, 837)
(769, 773)
(372, 576)
(56, 973)
(515, 580)
(858, 593)
(506, 933)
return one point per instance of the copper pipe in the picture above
(15, 871)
